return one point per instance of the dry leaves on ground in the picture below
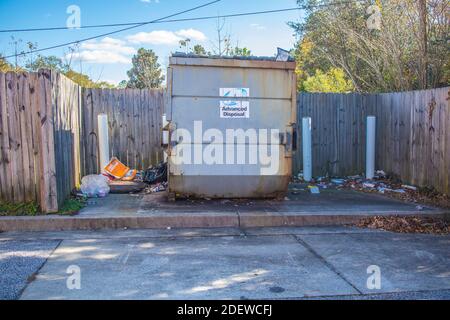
(407, 224)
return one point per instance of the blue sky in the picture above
(109, 58)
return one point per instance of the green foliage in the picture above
(146, 71)
(47, 62)
(72, 206)
(21, 209)
(241, 52)
(400, 56)
(5, 66)
(122, 84)
(86, 82)
(332, 81)
(199, 50)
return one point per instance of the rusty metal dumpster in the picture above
(231, 126)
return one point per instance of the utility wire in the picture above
(178, 20)
(112, 32)
(162, 20)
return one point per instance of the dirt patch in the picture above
(398, 224)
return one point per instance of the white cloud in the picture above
(99, 56)
(191, 34)
(108, 44)
(257, 26)
(164, 37)
(107, 50)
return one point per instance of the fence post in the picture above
(370, 147)
(307, 157)
(48, 184)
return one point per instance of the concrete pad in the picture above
(113, 205)
(407, 262)
(154, 211)
(187, 268)
(19, 260)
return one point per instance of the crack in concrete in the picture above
(328, 264)
(33, 276)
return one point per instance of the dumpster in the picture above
(232, 126)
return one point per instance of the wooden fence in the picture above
(48, 134)
(135, 122)
(26, 162)
(412, 134)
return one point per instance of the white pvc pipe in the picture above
(103, 141)
(370, 147)
(307, 156)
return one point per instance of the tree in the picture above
(185, 44)
(199, 50)
(122, 84)
(242, 52)
(409, 52)
(5, 66)
(146, 71)
(332, 81)
(49, 62)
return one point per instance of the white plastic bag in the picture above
(95, 186)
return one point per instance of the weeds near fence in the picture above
(21, 209)
(72, 206)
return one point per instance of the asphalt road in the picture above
(270, 263)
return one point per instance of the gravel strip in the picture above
(19, 260)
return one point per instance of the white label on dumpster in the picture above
(235, 92)
(235, 109)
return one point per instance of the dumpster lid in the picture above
(179, 58)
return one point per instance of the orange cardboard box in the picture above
(116, 168)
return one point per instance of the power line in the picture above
(178, 20)
(162, 20)
(112, 32)
(137, 23)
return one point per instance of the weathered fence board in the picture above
(66, 111)
(413, 134)
(134, 126)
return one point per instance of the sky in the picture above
(108, 58)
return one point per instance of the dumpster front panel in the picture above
(232, 129)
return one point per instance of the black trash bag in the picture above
(155, 174)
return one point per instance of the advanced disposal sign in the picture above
(234, 109)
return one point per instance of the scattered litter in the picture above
(409, 187)
(155, 174)
(116, 168)
(399, 191)
(95, 186)
(286, 199)
(159, 187)
(130, 175)
(338, 181)
(368, 185)
(419, 208)
(314, 189)
(380, 174)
